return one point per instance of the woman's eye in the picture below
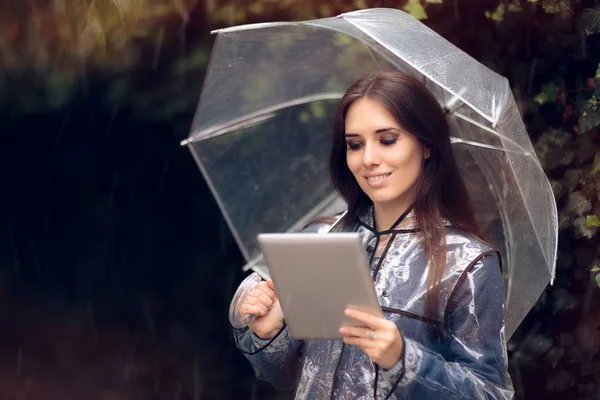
(388, 142)
(353, 146)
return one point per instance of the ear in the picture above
(427, 152)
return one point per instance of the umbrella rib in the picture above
(248, 27)
(492, 131)
(449, 106)
(256, 117)
(454, 139)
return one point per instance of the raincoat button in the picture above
(385, 293)
(370, 249)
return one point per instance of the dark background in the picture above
(116, 267)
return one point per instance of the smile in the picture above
(377, 178)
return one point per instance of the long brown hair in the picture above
(441, 192)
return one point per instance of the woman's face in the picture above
(385, 160)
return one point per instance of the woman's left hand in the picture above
(379, 338)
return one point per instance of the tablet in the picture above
(316, 277)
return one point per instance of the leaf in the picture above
(590, 115)
(558, 188)
(304, 117)
(547, 94)
(257, 8)
(564, 222)
(341, 39)
(594, 102)
(317, 109)
(591, 22)
(573, 178)
(325, 10)
(415, 8)
(592, 221)
(595, 268)
(589, 122)
(578, 204)
(598, 280)
(515, 6)
(596, 165)
(434, 1)
(582, 230)
(197, 60)
(598, 72)
(556, 6)
(550, 8)
(497, 14)
(558, 157)
(554, 138)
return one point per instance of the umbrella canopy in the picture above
(261, 134)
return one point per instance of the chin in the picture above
(382, 199)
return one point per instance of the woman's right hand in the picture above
(263, 302)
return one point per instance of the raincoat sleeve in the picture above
(474, 363)
(274, 361)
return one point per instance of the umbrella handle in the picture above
(237, 320)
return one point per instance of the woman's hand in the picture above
(263, 302)
(379, 338)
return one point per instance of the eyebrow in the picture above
(378, 131)
(384, 130)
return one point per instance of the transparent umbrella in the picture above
(261, 134)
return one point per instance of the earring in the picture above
(428, 154)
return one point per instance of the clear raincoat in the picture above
(467, 360)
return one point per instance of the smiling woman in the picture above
(438, 282)
(385, 159)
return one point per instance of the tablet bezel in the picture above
(316, 276)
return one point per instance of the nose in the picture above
(370, 156)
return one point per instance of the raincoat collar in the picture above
(406, 223)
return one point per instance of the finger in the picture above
(352, 331)
(262, 297)
(363, 343)
(270, 283)
(250, 309)
(385, 334)
(253, 301)
(369, 320)
(268, 290)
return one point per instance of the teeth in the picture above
(377, 178)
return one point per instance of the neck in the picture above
(387, 214)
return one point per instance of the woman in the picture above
(439, 284)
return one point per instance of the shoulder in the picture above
(464, 251)
(480, 288)
(469, 262)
